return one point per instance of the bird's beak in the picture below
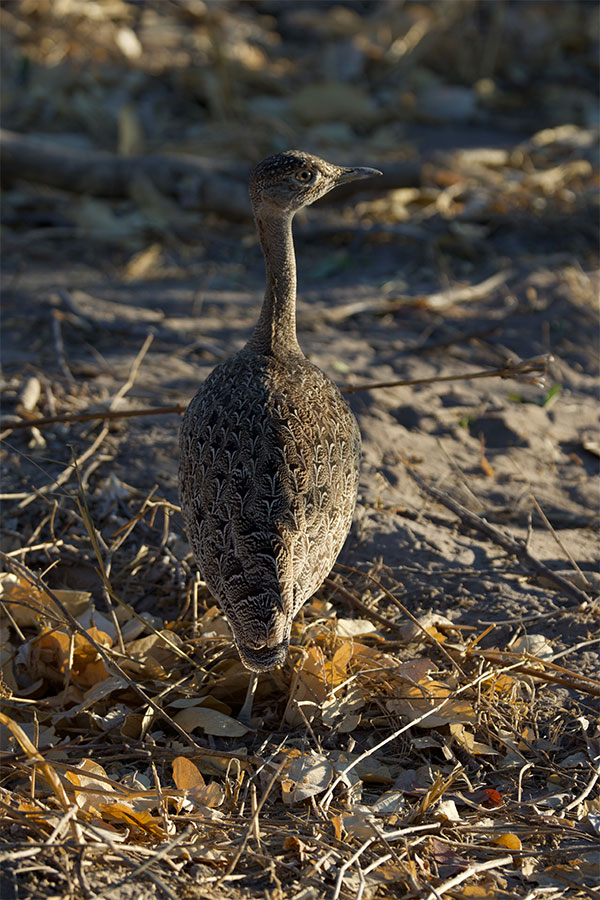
(354, 174)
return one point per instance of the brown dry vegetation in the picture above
(434, 732)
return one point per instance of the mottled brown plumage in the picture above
(269, 450)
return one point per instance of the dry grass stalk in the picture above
(504, 539)
(468, 873)
(530, 371)
(110, 663)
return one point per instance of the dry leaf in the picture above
(128, 42)
(188, 778)
(502, 684)
(135, 626)
(447, 811)
(341, 713)
(534, 644)
(485, 464)
(209, 702)
(591, 446)
(143, 263)
(233, 678)
(49, 656)
(467, 741)
(445, 855)
(30, 394)
(370, 770)
(293, 844)
(305, 775)
(30, 606)
(132, 726)
(186, 775)
(213, 622)
(390, 802)
(364, 657)
(349, 628)
(336, 821)
(418, 699)
(90, 800)
(110, 832)
(155, 647)
(138, 820)
(317, 677)
(210, 721)
(509, 840)
(431, 622)
(481, 891)
(359, 823)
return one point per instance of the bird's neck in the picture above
(275, 331)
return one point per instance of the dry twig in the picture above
(437, 301)
(567, 678)
(504, 539)
(532, 371)
(430, 638)
(468, 873)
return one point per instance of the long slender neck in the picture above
(275, 331)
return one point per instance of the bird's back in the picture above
(268, 480)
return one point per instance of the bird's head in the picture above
(288, 181)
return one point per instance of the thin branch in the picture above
(531, 371)
(216, 187)
(574, 681)
(59, 345)
(252, 823)
(132, 372)
(560, 543)
(467, 873)
(504, 539)
(139, 870)
(430, 638)
(349, 862)
(379, 307)
(37, 759)
(584, 793)
(326, 799)
(366, 610)
(66, 473)
(179, 409)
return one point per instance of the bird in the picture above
(269, 452)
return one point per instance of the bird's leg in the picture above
(245, 712)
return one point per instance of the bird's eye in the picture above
(304, 176)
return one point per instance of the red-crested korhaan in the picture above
(269, 449)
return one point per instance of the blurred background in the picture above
(379, 82)
(243, 79)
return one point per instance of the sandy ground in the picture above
(532, 450)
